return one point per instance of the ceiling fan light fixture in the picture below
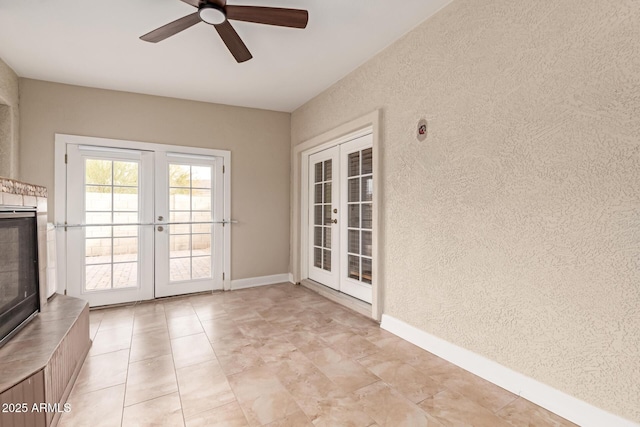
(212, 14)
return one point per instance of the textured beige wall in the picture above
(259, 142)
(9, 121)
(514, 229)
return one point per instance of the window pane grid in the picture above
(111, 196)
(360, 217)
(322, 214)
(190, 193)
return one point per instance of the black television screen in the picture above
(19, 299)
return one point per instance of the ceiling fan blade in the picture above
(171, 28)
(194, 3)
(233, 41)
(293, 18)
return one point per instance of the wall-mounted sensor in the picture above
(422, 130)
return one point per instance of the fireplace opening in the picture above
(19, 287)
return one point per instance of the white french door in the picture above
(108, 261)
(190, 218)
(142, 224)
(341, 217)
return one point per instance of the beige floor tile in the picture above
(306, 341)
(389, 408)
(117, 317)
(149, 323)
(163, 411)
(149, 379)
(203, 387)
(101, 408)
(279, 356)
(237, 358)
(475, 388)
(220, 328)
(183, 326)
(149, 308)
(297, 419)
(178, 307)
(350, 344)
(109, 340)
(453, 409)
(411, 383)
(102, 371)
(147, 346)
(191, 350)
(261, 395)
(522, 413)
(336, 410)
(346, 373)
(209, 310)
(258, 329)
(229, 415)
(272, 349)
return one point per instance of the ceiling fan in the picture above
(217, 13)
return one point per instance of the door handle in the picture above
(335, 221)
(160, 228)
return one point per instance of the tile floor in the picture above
(278, 355)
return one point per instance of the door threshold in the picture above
(354, 304)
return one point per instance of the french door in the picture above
(142, 224)
(341, 217)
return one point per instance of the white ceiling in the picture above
(97, 44)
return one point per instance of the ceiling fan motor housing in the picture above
(212, 14)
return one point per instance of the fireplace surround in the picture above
(40, 362)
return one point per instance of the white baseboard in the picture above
(252, 282)
(560, 403)
(291, 278)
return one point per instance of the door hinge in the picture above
(222, 276)
(223, 169)
(66, 158)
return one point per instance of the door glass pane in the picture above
(318, 193)
(354, 190)
(97, 277)
(327, 170)
(190, 204)
(125, 249)
(111, 197)
(98, 172)
(327, 192)
(367, 161)
(366, 243)
(354, 164)
(318, 172)
(326, 260)
(179, 269)
(179, 176)
(317, 236)
(367, 189)
(327, 237)
(360, 215)
(354, 216)
(322, 214)
(125, 275)
(201, 267)
(125, 174)
(354, 267)
(366, 270)
(317, 257)
(201, 176)
(367, 216)
(354, 241)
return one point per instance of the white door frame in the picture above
(60, 198)
(368, 124)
